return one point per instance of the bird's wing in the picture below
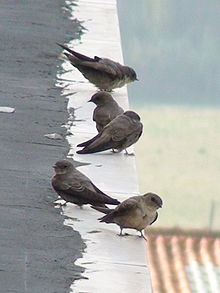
(125, 208)
(83, 193)
(69, 187)
(119, 128)
(101, 67)
(117, 67)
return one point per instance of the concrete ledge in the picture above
(113, 263)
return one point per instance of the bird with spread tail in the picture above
(106, 109)
(73, 186)
(104, 73)
(136, 212)
(122, 132)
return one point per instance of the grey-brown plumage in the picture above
(104, 73)
(106, 109)
(136, 212)
(73, 186)
(119, 134)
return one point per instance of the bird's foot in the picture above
(131, 154)
(123, 235)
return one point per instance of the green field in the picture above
(178, 157)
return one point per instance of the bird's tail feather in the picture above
(103, 210)
(98, 145)
(110, 200)
(88, 142)
(107, 218)
(76, 54)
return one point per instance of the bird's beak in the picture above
(160, 205)
(54, 166)
(137, 79)
(89, 101)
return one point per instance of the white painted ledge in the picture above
(113, 264)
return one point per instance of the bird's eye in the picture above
(153, 199)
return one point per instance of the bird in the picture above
(119, 134)
(106, 109)
(136, 212)
(73, 186)
(104, 73)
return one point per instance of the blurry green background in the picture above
(174, 47)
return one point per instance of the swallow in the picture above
(136, 212)
(122, 132)
(104, 73)
(73, 186)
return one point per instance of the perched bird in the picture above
(104, 73)
(106, 109)
(119, 134)
(75, 187)
(136, 212)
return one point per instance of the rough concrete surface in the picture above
(37, 251)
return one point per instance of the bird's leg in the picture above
(114, 151)
(142, 235)
(121, 234)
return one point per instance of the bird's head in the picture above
(101, 98)
(153, 200)
(63, 167)
(131, 73)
